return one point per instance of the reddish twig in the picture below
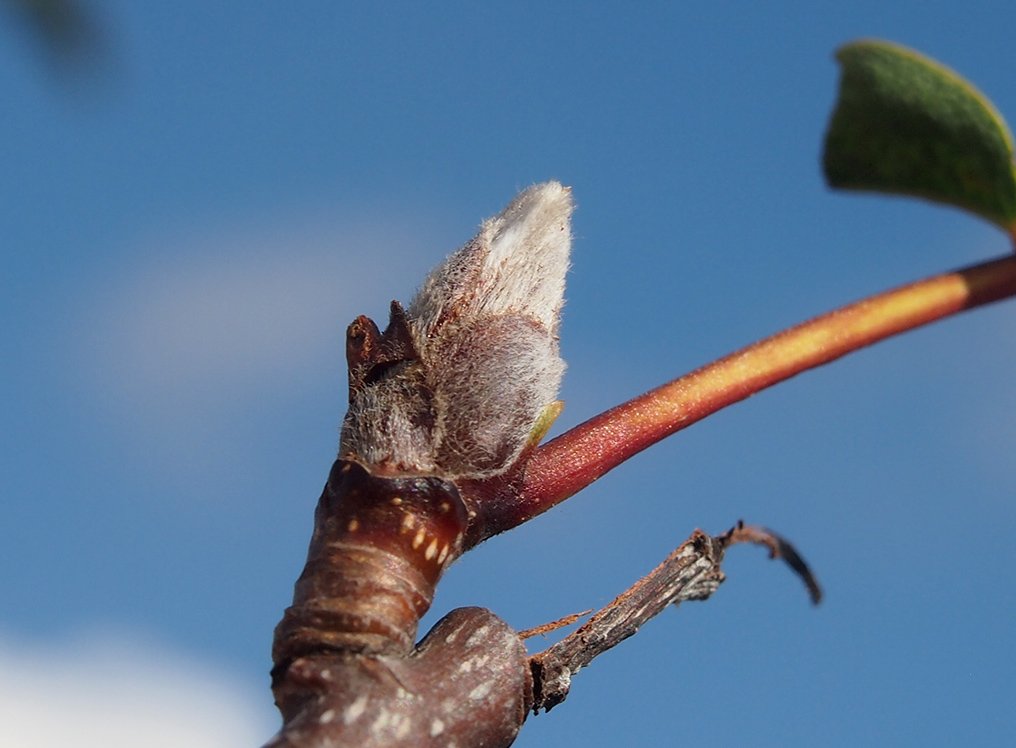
(578, 457)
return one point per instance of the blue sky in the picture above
(187, 232)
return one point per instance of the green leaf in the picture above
(905, 124)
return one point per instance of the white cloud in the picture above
(116, 691)
(240, 310)
(174, 352)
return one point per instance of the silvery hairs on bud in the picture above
(482, 362)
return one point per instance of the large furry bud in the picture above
(456, 385)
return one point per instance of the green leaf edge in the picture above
(1005, 221)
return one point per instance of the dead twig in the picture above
(691, 572)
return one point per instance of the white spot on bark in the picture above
(407, 523)
(431, 550)
(326, 716)
(479, 662)
(419, 538)
(480, 691)
(354, 710)
(436, 728)
(382, 722)
(466, 667)
(354, 525)
(476, 636)
(442, 555)
(404, 727)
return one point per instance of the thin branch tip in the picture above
(779, 548)
(691, 572)
(546, 628)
